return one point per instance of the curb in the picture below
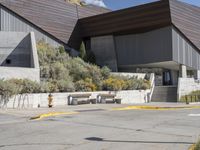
(52, 114)
(155, 108)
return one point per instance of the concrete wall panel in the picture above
(20, 49)
(15, 47)
(150, 47)
(104, 50)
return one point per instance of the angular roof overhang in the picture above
(67, 23)
(55, 17)
(143, 18)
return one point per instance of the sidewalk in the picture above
(67, 109)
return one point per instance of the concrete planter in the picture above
(61, 99)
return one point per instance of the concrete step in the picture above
(164, 94)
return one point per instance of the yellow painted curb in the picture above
(52, 114)
(155, 108)
(192, 147)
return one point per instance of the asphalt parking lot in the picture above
(100, 128)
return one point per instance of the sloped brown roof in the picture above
(56, 17)
(143, 17)
(59, 19)
(185, 17)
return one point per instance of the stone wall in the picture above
(61, 99)
(186, 86)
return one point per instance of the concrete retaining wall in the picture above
(20, 49)
(138, 75)
(60, 99)
(186, 86)
(20, 73)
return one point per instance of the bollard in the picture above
(50, 100)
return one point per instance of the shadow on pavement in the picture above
(97, 139)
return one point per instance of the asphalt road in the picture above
(99, 129)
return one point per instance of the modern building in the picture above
(24, 22)
(161, 37)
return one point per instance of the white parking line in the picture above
(194, 115)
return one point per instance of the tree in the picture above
(82, 51)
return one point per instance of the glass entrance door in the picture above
(167, 78)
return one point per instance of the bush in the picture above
(25, 86)
(197, 146)
(82, 51)
(65, 86)
(77, 69)
(113, 84)
(85, 85)
(63, 73)
(105, 71)
(191, 97)
(125, 83)
(7, 89)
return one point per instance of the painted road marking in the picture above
(194, 115)
(155, 108)
(52, 114)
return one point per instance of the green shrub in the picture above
(191, 97)
(197, 146)
(63, 73)
(45, 87)
(25, 86)
(105, 71)
(85, 85)
(125, 83)
(77, 69)
(52, 86)
(82, 51)
(95, 74)
(65, 86)
(7, 89)
(113, 84)
(144, 84)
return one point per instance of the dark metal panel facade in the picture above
(183, 51)
(150, 47)
(104, 50)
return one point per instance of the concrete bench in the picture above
(77, 99)
(108, 98)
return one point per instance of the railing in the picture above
(149, 95)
